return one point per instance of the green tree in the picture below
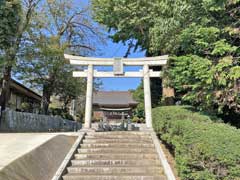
(201, 34)
(152, 25)
(70, 88)
(13, 24)
(10, 13)
(56, 27)
(208, 57)
(138, 95)
(131, 21)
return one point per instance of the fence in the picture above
(13, 121)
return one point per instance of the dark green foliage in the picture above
(56, 27)
(11, 30)
(206, 86)
(204, 36)
(62, 113)
(138, 96)
(203, 149)
(10, 13)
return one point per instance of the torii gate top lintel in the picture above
(118, 64)
(151, 61)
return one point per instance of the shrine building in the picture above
(112, 105)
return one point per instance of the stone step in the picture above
(135, 141)
(114, 162)
(115, 170)
(110, 133)
(117, 150)
(120, 145)
(118, 137)
(116, 156)
(112, 177)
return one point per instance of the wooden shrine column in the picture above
(147, 96)
(89, 97)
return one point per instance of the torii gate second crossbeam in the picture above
(118, 64)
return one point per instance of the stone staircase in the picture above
(123, 155)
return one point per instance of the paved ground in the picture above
(14, 145)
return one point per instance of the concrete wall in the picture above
(13, 121)
(40, 163)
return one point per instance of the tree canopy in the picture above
(202, 37)
(10, 13)
(56, 26)
(34, 35)
(10, 35)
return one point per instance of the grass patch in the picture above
(203, 149)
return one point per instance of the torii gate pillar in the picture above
(89, 97)
(147, 96)
(118, 64)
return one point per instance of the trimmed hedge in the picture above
(203, 149)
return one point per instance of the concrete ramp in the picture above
(40, 163)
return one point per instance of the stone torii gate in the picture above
(118, 64)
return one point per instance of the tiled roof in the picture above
(20, 88)
(113, 99)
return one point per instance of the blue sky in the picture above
(111, 50)
(118, 84)
(116, 50)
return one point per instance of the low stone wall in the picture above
(13, 121)
(41, 163)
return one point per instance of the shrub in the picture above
(136, 119)
(62, 113)
(203, 149)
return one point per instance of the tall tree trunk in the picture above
(5, 94)
(45, 99)
(10, 59)
(168, 93)
(156, 86)
(65, 104)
